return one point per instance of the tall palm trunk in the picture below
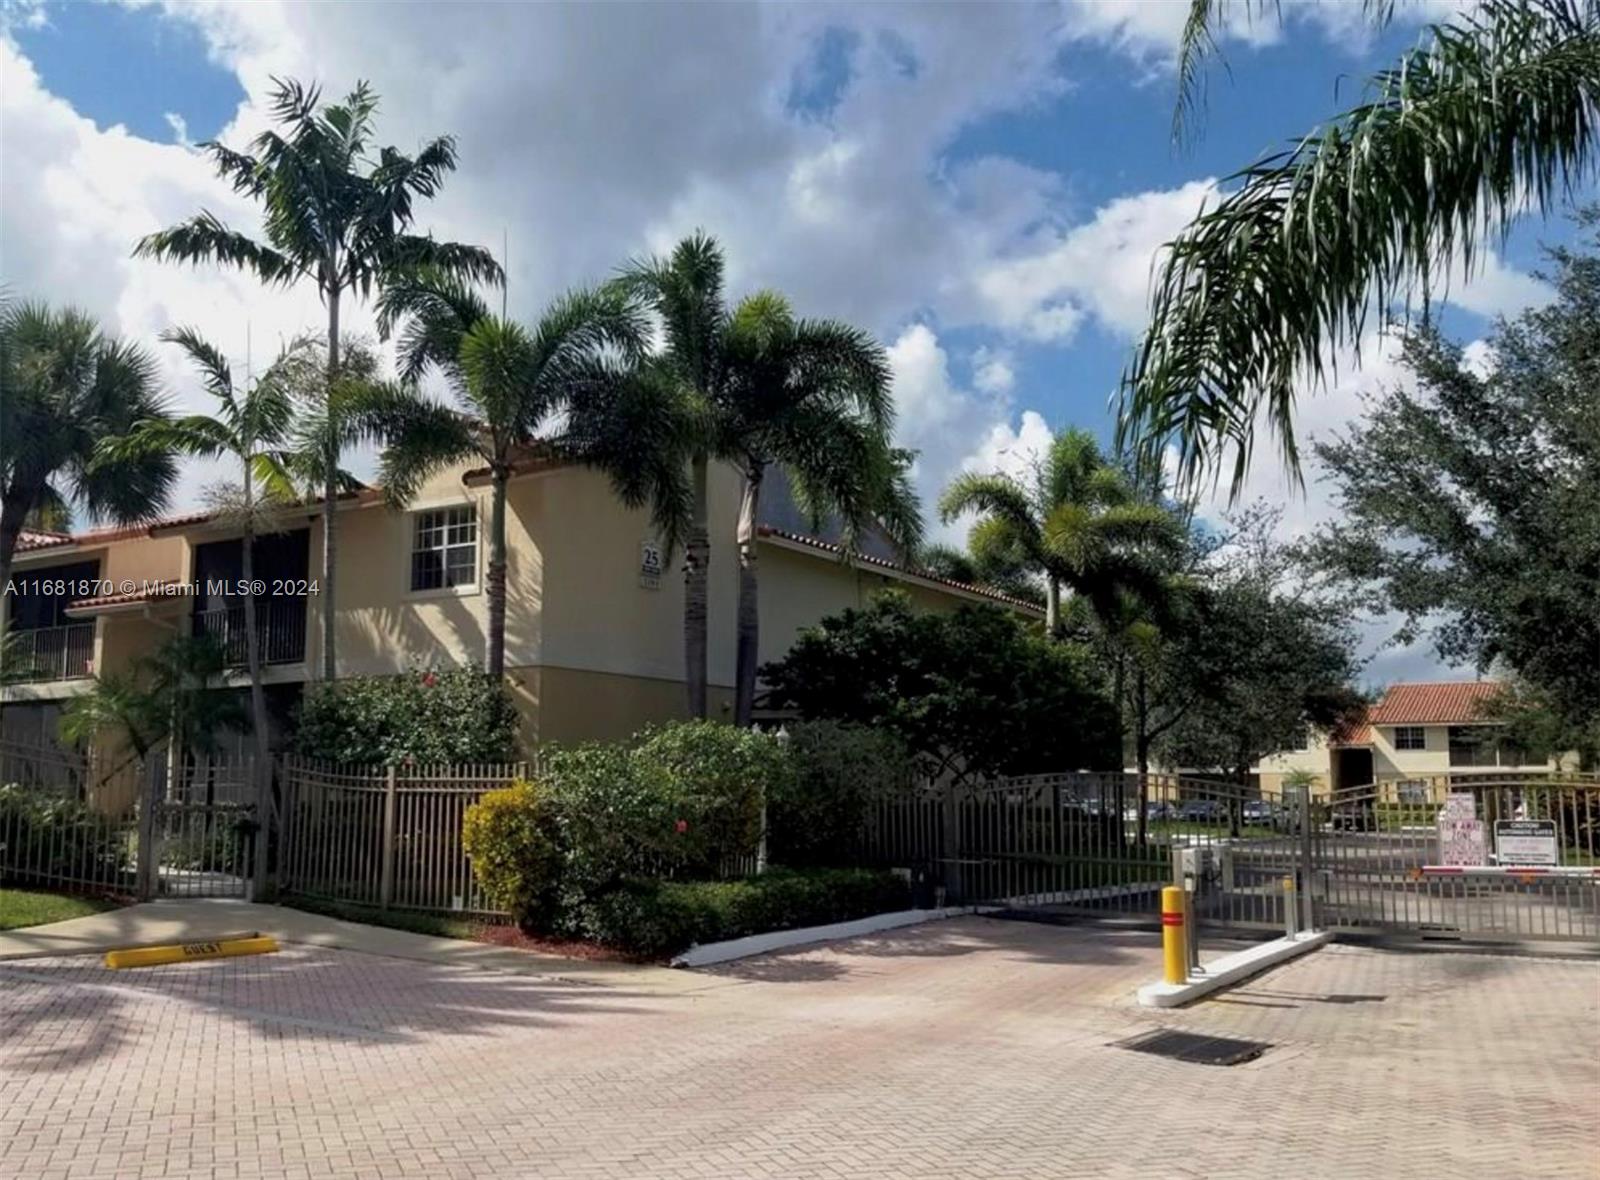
(749, 647)
(696, 562)
(12, 513)
(495, 657)
(1052, 606)
(330, 500)
(252, 644)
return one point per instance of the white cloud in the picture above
(993, 370)
(1100, 268)
(180, 128)
(940, 420)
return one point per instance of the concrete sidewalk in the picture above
(206, 920)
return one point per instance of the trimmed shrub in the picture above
(511, 839)
(461, 715)
(680, 801)
(656, 918)
(817, 813)
(47, 837)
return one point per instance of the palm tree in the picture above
(337, 214)
(997, 564)
(1489, 113)
(66, 389)
(1077, 524)
(810, 397)
(171, 695)
(509, 380)
(685, 291)
(249, 427)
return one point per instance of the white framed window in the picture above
(1410, 737)
(444, 548)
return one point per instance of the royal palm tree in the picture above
(810, 397)
(685, 290)
(336, 213)
(1077, 524)
(1491, 112)
(64, 389)
(249, 428)
(510, 382)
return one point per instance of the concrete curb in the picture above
(777, 940)
(1230, 969)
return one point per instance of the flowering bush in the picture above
(461, 715)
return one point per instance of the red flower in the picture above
(429, 680)
(682, 825)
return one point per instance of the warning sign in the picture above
(1462, 842)
(1525, 841)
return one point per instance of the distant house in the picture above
(1419, 730)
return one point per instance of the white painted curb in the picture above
(1230, 969)
(777, 940)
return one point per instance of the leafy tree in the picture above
(1275, 656)
(970, 693)
(1077, 524)
(510, 382)
(249, 428)
(1490, 112)
(335, 213)
(67, 389)
(1473, 500)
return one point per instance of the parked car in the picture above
(1155, 811)
(1260, 813)
(1202, 811)
(1354, 817)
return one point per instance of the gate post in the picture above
(147, 873)
(950, 824)
(386, 876)
(1302, 838)
(261, 778)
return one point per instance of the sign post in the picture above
(1525, 841)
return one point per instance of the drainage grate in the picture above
(1194, 1047)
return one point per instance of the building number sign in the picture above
(650, 564)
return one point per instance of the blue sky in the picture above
(983, 186)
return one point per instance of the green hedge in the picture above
(657, 918)
(48, 838)
(818, 811)
(459, 715)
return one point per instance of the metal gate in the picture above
(1366, 859)
(1378, 858)
(200, 821)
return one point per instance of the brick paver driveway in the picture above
(968, 1048)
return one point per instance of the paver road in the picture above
(966, 1048)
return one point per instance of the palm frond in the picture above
(1492, 113)
(205, 239)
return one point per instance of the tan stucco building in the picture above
(1415, 731)
(594, 623)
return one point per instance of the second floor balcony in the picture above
(37, 655)
(280, 625)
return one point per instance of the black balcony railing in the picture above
(47, 653)
(280, 624)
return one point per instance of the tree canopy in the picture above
(1470, 499)
(971, 693)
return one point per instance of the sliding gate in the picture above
(1369, 858)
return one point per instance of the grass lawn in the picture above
(22, 907)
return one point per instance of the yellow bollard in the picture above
(1291, 908)
(153, 956)
(1174, 948)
